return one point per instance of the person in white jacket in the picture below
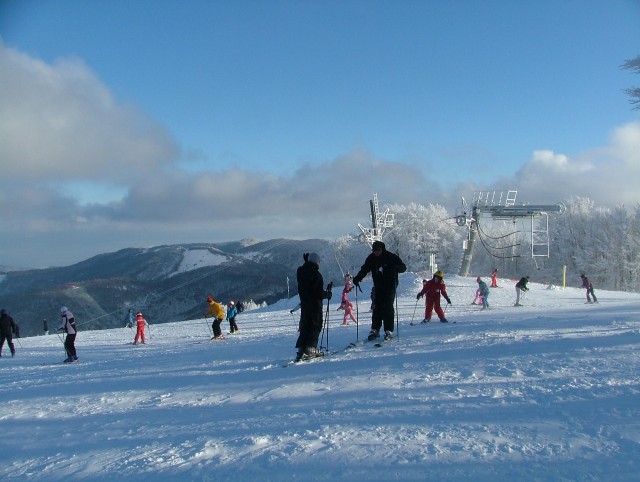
(68, 325)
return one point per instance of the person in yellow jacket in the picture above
(216, 310)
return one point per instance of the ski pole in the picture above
(357, 317)
(414, 310)
(329, 288)
(65, 346)
(209, 329)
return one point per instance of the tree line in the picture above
(602, 243)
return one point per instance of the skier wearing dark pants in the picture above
(312, 293)
(7, 328)
(384, 267)
(68, 325)
(586, 283)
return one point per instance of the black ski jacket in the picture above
(7, 325)
(384, 271)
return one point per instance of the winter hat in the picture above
(478, 279)
(63, 309)
(314, 258)
(377, 245)
(209, 298)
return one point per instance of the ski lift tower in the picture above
(379, 223)
(502, 205)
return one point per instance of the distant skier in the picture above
(7, 329)
(384, 267)
(586, 283)
(431, 290)
(494, 278)
(484, 291)
(45, 325)
(141, 323)
(345, 304)
(68, 325)
(217, 311)
(232, 312)
(521, 289)
(129, 319)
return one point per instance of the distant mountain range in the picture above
(168, 283)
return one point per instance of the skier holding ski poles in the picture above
(384, 267)
(431, 290)
(68, 325)
(312, 293)
(216, 310)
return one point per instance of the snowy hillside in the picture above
(548, 391)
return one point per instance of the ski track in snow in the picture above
(549, 391)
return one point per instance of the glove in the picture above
(418, 296)
(357, 285)
(328, 295)
(448, 301)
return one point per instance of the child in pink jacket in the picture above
(345, 304)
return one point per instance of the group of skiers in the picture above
(217, 311)
(384, 268)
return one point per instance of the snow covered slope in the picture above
(548, 391)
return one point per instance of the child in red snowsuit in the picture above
(494, 278)
(140, 323)
(433, 289)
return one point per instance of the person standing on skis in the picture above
(345, 304)
(431, 290)
(312, 293)
(216, 310)
(129, 319)
(68, 325)
(586, 283)
(494, 278)
(521, 288)
(232, 312)
(141, 323)
(484, 291)
(384, 267)
(7, 329)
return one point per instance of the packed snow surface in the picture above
(547, 391)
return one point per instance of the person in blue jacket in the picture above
(232, 312)
(484, 291)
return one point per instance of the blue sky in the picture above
(135, 123)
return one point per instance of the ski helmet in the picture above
(439, 274)
(63, 309)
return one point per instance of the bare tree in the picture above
(634, 92)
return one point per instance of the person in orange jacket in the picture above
(432, 290)
(216, 310)
(141, 323)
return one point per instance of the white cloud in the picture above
(60, 122)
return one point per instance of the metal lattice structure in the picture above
(501, 205)
(379, 222)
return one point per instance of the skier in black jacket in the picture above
(521, 288)
(312, 293)
(7, 328)
(384, 267)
